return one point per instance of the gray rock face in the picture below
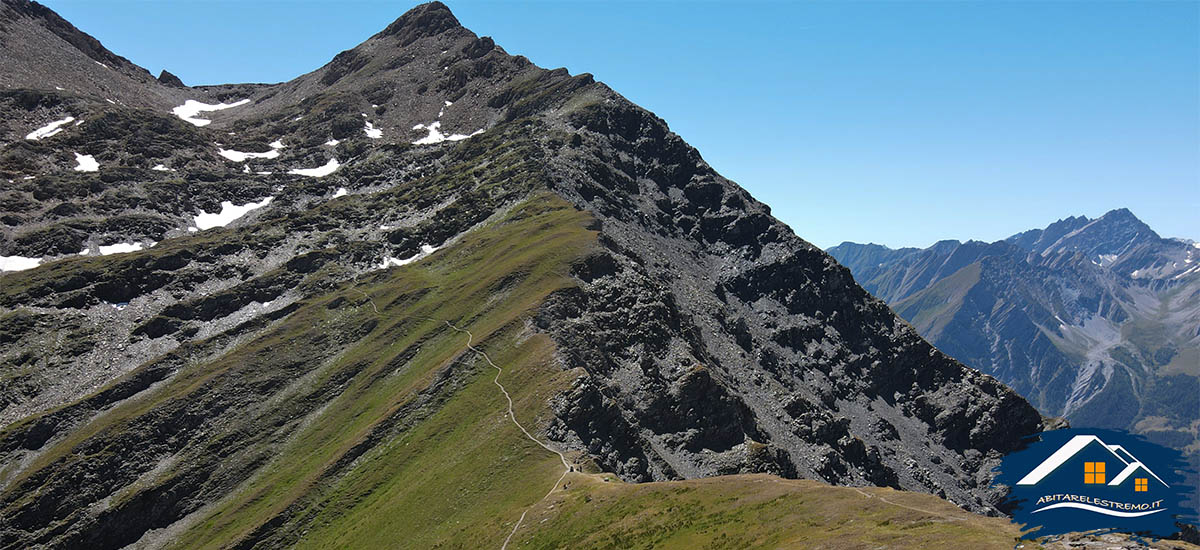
(712, 339)
(799, 371)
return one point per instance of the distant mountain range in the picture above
(1095, 320)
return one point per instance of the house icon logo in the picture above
(1086, 480)
(1095, 464)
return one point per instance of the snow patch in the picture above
(238, 156)
(389, 261)
(228, 213)
(341, 192)
(161, 168)
(49, 129)
(191, 108)
(372, 132)
(18, 263)
(436, 135)
(320, 171)
(86, 163)
(332, 142)
(119, 248)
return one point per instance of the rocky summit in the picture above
(259, 316)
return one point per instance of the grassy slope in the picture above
(465, 465)
(453, 471)
(932, 308)
(752, 511)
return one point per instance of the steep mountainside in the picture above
(1095, 320)
(254, 315)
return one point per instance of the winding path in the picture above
(511, 415)
(930, 512)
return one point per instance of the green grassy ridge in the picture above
(450, 285)
(751, 511)
(538, 242)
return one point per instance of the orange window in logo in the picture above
(1093, 473)
(1141, 485)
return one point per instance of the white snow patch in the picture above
(389, 261)
(49, 129)
(332, 142)
(119, 248)
(102, 65)
(320, 171)
(79, 122)
(238, 156)
(161, 168)
(228, 213)
(86, 163)
(110, 101)
(372, 132)
(341, 192)
(193, 229)
(18, 263)
(58, 88)
(191, 108)
(436, 135)
(448, 104)
(1185, 273)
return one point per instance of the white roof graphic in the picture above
(1071, 448)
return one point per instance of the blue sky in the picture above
(899, 123)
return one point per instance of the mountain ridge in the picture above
(258, 382)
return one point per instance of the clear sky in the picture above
(900, 123)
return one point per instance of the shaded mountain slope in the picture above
(268, 365)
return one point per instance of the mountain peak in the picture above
(1123, 216)
(428, 19)
(1121, 224)
(84, 42)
